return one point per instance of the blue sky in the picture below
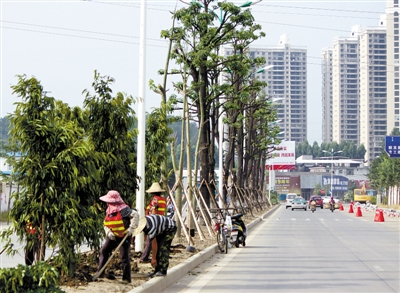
(61, 43)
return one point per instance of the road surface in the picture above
(300, 251)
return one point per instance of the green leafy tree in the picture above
(57, 164)
(317, 189)
(112, 136)
(196, 43)
(158, 135)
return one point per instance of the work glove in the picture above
(130, 230)
(109, 234)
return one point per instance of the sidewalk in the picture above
(179, 271)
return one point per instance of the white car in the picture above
(299, 203)
(327, 199)
(289, 199)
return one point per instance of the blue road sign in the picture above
(392, 146)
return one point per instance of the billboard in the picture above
(339, 183)
(283, 156)
(287, 184)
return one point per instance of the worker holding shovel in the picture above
(119, 225)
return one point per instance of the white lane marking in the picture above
(351, 220)
(337, 220)
(307, 219)
(378, 268)
(293, 219)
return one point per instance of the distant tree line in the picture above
(348, 149)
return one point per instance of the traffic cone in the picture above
(358, 214)
(379, 216)
(341, 207)
(351, 209)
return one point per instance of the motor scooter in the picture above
(239, 231)
(332, 207)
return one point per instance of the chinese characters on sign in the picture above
(286, 184)
(283, 156)
(392, 146)
(339, 183)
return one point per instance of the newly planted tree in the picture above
(197, 40)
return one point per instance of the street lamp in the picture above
(332, 153)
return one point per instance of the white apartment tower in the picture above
(327, 95)
(373, 90)
(393, 84)
(345, 91)
(356, 94)
(287, 83)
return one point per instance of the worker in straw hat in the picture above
(157, 205)
(120, 224)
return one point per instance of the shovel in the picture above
(96, 276)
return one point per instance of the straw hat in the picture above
(155, 187)
(112, 196)
(140, 227)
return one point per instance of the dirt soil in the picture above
(81, 281)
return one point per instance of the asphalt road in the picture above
(298, 251)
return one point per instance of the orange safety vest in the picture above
(160, 203)
(116, 224)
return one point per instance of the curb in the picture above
(178, 272)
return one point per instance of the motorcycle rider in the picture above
(332, 202)
(313, 205)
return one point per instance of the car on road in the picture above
(289, 198)
(318, 201)
(299, 203)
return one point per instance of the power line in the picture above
(76, 36)
(74, 30)
(317, 15)
(325, 9)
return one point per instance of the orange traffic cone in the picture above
(358, 214)
(379, 216)
(341, 207)
(351, 209)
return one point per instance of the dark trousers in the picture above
(164, 246)
(124, 251)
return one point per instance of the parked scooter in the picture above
(239, 231)
(313, 206)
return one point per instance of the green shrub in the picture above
(274, 198)
(39, 278)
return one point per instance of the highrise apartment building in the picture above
(287, 85)
(373, 90)
(345, 91)
(327, 95)
(356, 91)
(393, 84)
